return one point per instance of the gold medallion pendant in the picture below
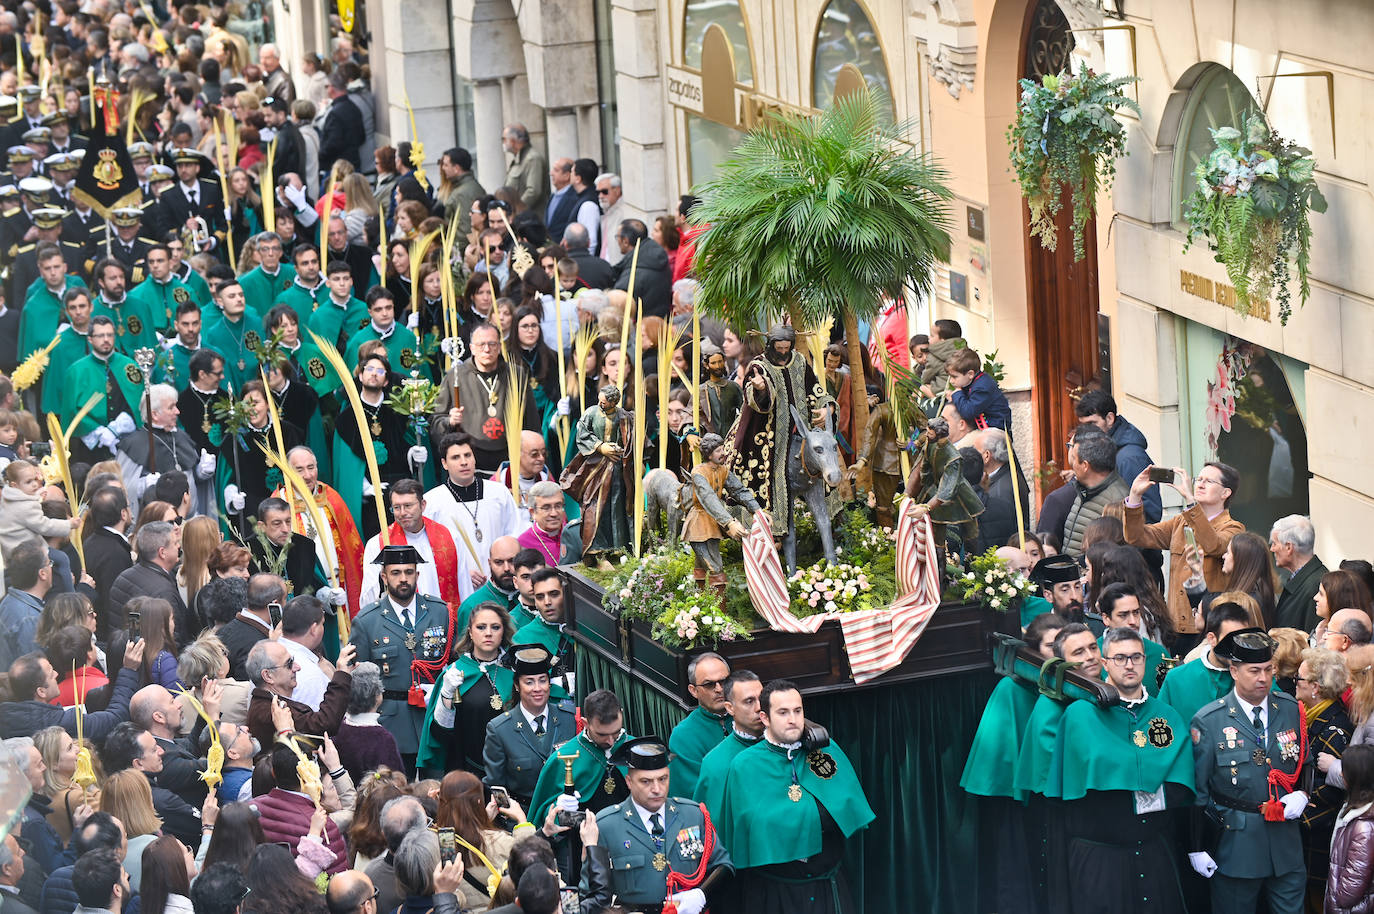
(609, 784)
(496, 702)
(794, 793)
(660, 862)
(375, 428)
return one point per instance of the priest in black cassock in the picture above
(277, 549)
(391, 441)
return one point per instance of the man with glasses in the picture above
(240, 748)
(1124, 776)
(473, 399)
(703, 729)
(351, 892)
(270, 278)
(550, 533)
(272, 670)
(113, 373)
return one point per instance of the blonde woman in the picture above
(199, 537)
(359, 207)
(128, 797)
(205, 660)
(58, 749)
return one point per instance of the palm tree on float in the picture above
(822, 215)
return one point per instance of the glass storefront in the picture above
(846, 36)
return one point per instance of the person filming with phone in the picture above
(1197, 536)
(273, 668)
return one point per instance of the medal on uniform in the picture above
(794, 793)
(660, 861)
(1138, 737)
(1259, 756)
(242, 364)
(375, 428)
(496, 702)
(410, 641)
(205, 424)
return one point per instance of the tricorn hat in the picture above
(531, 660)
(403, 554)
(1246, 645)
(648, 753)
(1055, 569)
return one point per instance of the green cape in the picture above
(1032, 607)
(301, 301)
(714, 767)
(991, 762)
(540, 632)
(697, 734)
(260, 291)
(233, 343)
(40, 315)
(1037, 746)
(70, 349)
(314, 369)
(761, 825)
(1120, 748)
(1192, 686)
(87, 377)
(588, 773)
(401, 350)
(433, 753)
(161, 300)
(331, 321)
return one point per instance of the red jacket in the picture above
(285, 816)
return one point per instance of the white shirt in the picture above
(405, 613)
(427, 583)
(529, 718)
(310, 679)
(644, 815)
(1249, 711)
(496, 516)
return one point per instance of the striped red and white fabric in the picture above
(875, 640)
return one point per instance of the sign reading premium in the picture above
(1219, 292)
(685, 89)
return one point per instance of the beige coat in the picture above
(1212, 538)
(21, 517)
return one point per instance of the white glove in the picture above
(206, 468)
(1293, 804)
(413, 322)
(418, 455)
(565, 406)
(367, 489)
(453, 681)
(295, 194)
(122, 424)
(567, 803)
(228, 215)
(151, 480)
(1203, 864)
(233, 499)
(334, 596)
(93, 440)
(692, 901)
(108, 438)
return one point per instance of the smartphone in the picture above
(501, 797)
(1161, 474)
(274, 613)
(135, 627)
(1189, 537)
(448, 846)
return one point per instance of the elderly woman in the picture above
(364, 745)
(1321, 680)
(427, 887)
(202, 661)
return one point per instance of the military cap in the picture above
(35, 186)
(532, 660)
(160, 172)
(141, 150)
(61, 161)
(21, 154)
(126, 215)
(37, 135)
(8, 192)
(53, 119)
(29, 93)
(404, 554)
(186, 156)
(9, 105)
(49, 217)
(1246, 645)
(1055, 569)
(648, 753)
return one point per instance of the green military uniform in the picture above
(1125, 776)
(489, 593)
(302, 299)
(260, 290)
(402, 350)
(715, 766)
(133, 323)
(786, 852)
(1232, 761)
(71, 348)
(642, 856)
(1194, 685)
(41, 315)
(160, 300)
(335, 323)
(235, 341)
(91, 375)
(481, 683)
(597, 781)
(697, 734)
(515, 755)
(383, 636)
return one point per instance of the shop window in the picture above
(464, 117)
(1218, 99)
(709, 144)
(700, 16)
(847, 47)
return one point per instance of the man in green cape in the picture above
(174, 363)
(599, 783)
(707, 725)
(73, 345)
(742, 689)
(787, 812)
(1124, 775)
(234, 337)
(401, 347)
(104, 370)
(547, 628)
(500, 584)
(341, 314)
(42, 305)
(132, 320)
(1119, 607)
(161, 293)
(270, 278)
(1194, 685)
(308, 289)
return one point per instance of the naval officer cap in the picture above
(399, 555)
(648, 753)
(1247, 645)
(1055, 569)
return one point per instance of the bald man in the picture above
(1348, 628)
(533, 468)
(351, 892)
(1017, 560)
(500, 585)
(156, 710)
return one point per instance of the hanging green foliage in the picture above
(1254, 191)
(1066, 135)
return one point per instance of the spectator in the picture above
(352, 892)
(156, 710)
(365, 745)
(302, 629)
(21, 508)
(200, 536)
(1322, 679)
(131, 747)
(946, 339)
(202, 663)
(168, 868)
(237, 835)
(253, 622)
(277, 886)
(1098, 408)
(272, 670)
(464, 808)
(29, 572)
(1348, 628)
(129, 799)
(285, 812)
(239, 751)
(425, 885)
(229, 560)
(102, 886)
(1246, 562)
(653, 278)
(41, 841)
(998, 522)
(1093, 461)
(1338, 590)
(1292, 540)
(1205, 520)
(1350, 878)
(976, 395)
(157, 627)
(159, 553)
(107, 548)
(58, 750)
(26, 708)
(100, 831)
(221, 889)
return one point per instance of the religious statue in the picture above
(721, 396)
(709, 516)
(937, 482)
(601, 478)
(778, 454)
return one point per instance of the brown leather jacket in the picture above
(1212, 538)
